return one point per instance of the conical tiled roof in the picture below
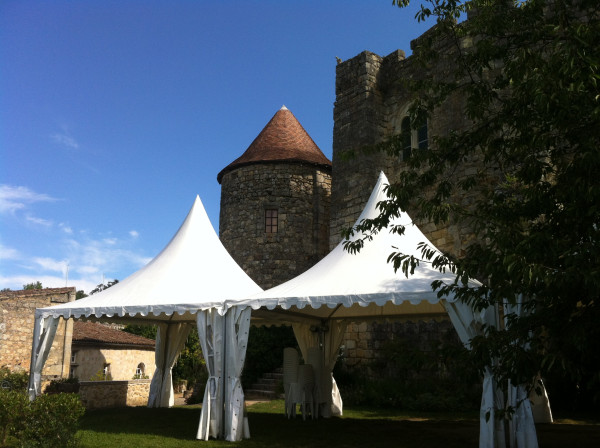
(283, 139)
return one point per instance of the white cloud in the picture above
(88, 261)
(13, 198)
(8, 253)
(134, 233)
(65, 139)
(49, 264)
(65, 228)
(39, 221)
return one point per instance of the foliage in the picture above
(34, 285)
(102, 286)
(140, 376)
(528, 73)
(80, 294)
(101, 376)
(62, 385)
(147, 331)
(13, 380)
(13, 404)
(265, 351)
(190, 365)
(51, 421)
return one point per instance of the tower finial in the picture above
(283, 107)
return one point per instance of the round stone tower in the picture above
(275, 198)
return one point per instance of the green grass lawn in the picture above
(359, 427)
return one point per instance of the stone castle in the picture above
(284, 204)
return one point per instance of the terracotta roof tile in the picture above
(282, 139)
(93, 333)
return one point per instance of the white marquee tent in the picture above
(195, 280)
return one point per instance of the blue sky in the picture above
(114, 115)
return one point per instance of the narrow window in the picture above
(106, 372)
(406, 138)
(73, 372)
(422, 139)
(73, 357)
(271, 220)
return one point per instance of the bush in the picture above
(51, 421)
(101, 376)
(13, 380)
(69, 385)
(13, 407)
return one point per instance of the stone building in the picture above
(102, 352)
(275, 199)
(17, 314)
(372, 104)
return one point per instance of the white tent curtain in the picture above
(170, 339)
(469, 324)
(522, 432)
(210, 333)
(332, 339)
(237, 326)
(224, 339)
(44, 331)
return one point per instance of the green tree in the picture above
(34, 285)
(529, 75)
(102, 286)
(80, 294)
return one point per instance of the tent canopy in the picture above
(193, 272)
(358, 286)
(195, 280)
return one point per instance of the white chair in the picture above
(302, 392)
(315, 359)
(291, 361)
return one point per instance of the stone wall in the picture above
(371, 100)
(365, 343)
(87, 361)
(113, 394)
(301, 194)
(17, 314)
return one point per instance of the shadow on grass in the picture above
(177, 426)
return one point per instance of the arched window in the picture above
(413, 138)
(140, 371)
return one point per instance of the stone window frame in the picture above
(74, 356)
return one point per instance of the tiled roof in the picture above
(283, 139)
(38, 292)
(93, 333)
